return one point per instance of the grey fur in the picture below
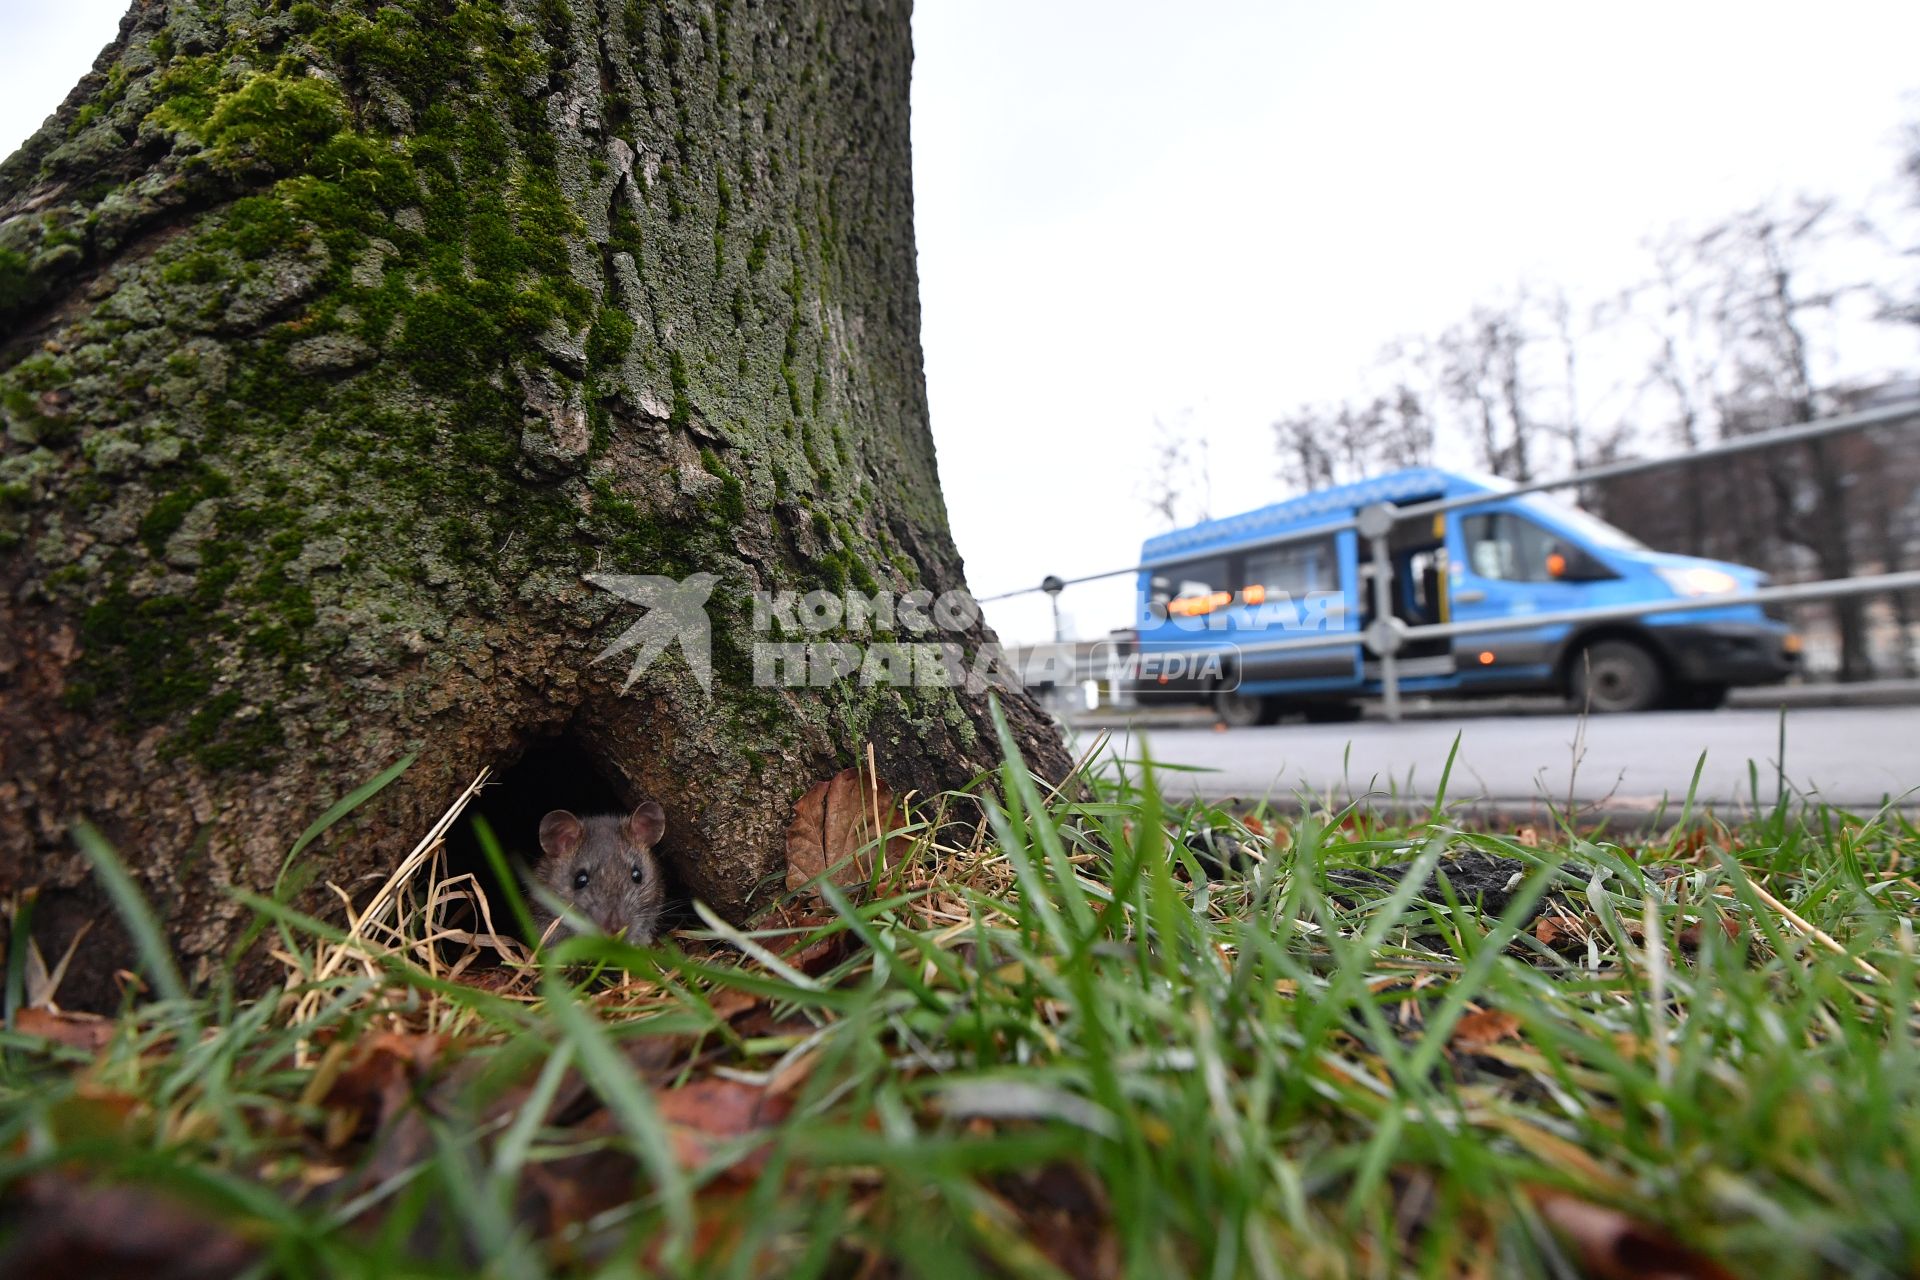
(603, 868)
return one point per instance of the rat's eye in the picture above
(579, 879)
(636, 875)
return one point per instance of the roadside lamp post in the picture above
(1052, 585)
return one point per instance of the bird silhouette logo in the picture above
(676, 610)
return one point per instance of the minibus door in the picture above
(1418, 552)
(1510, 566)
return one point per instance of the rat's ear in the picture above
(647, 824)
(561, 833)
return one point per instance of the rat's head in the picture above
(604, 868)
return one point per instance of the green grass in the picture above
(1065, 1050)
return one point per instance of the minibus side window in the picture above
(1508, 548)
(1190, 582)
(1295, 569)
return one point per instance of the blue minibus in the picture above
(1211, 596)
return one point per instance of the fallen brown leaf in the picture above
(86, 1031)
(833, 833)
(1487, 1026)
(816, 958)
(811, 958)
(762, 1022)
(65, 1227)
(728, 1001)
(1560, 932)
(1067, 1218)
(556, 1194)
(722, 1215)
(1690, 845)
(1615, 1246)
(378, 1081)
(702, 1116)
(1690, 937)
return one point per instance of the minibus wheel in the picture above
(1240, 710)
(1616, 675)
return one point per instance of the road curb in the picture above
(1629, 815)
(1867, 693)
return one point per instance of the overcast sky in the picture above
(1128, 208)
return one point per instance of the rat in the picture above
(603, 868)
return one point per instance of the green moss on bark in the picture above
(353, 337)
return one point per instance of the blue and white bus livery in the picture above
(1223, 587)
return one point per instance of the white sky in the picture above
(1128, 208)
(45, 47)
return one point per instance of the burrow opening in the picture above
(551, 773)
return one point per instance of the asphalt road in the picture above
(1623, 765)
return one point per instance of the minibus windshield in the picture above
(1583, 523)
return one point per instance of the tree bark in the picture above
(340, 342)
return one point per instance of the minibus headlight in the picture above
(1698, 581)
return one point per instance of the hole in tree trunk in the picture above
(552, 773)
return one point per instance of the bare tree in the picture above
(1682, 371)
(1321, 446)
(1765, 298)
(1906, 307)
(1559, 307)
(1483, 380)
(1178, 486)
(1302, 440)
(1406, 434)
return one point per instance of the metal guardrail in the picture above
(1387, 635)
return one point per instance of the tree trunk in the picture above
(340, 343)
